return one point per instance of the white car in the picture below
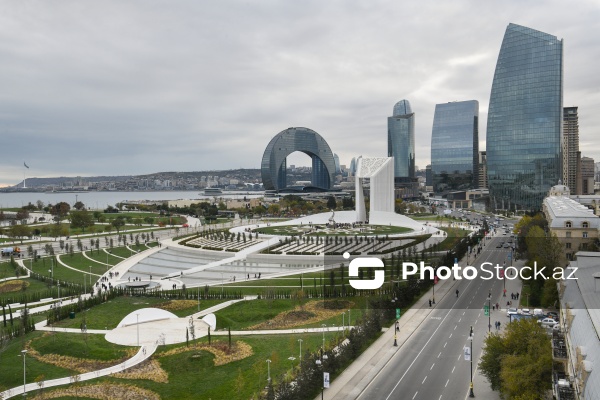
(525, 311)
(512, 311)
(538, 311)
(548, 322)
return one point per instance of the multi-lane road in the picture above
(430, 365)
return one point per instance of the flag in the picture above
(26, 166)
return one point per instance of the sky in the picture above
(135, 87)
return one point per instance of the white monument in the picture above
(380, 172)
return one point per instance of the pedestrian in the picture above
(430, 303)
(499, 323)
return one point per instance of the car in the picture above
(526, 311)
(548, 322)
(506, 245)
(552, 314)
(499, 246)
(512, 311)
(556, 328)
(537, 312)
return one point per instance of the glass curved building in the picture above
(274, 166)
(401, 141)
(455, 146)
(525, 119)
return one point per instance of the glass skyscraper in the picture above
(525, 119)
(455, 146)
(401, 142)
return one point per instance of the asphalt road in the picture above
(430, 365)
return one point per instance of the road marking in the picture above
(455, 326)
(450, 336)
(415, 394)
(479, 315)
(446, 384)
(440, 397)
(413, 361)
(431, 366)
(424, 380)
(459, 357)
(445, 344)
(453, 370)
(476, 321)
(464, 312)
(460, 320)
(439, 354)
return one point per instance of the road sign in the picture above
(397, 313)
(326, 380)
(486, 310)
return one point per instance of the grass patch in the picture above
(78, 345)
(454, 236)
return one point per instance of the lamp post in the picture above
(300, 356)
(490, 311)
(268, 372)
(91, 286)
(24, 352)
(471, 393)
(343, 322)
(198, 298)
(323, 325)
(349, 319)
(222, 283)
(320, 362)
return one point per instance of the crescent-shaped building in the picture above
(273, 165)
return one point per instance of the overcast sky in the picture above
(135, 87)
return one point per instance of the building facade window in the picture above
(568, 224)
(584, 234)
(568, 234)
(585, 225)
(568, 245)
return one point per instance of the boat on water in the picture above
(212, 191)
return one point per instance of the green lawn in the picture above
(6, 270)
(80, 345)
(11, 373)
(454, 236)
(34, 286)
(109, 314)
(247, 313)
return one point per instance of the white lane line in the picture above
(447, 383)
(440, 397)
(459, 357)
(415, 394)
(476, 321)
(450, 336)
(439, 354)
(424, 380)
(453, 369)
(455, 326)
(414, 360)
(460, 320)
(445, 344)
(431, 366)
(464, 312)
(479, 315)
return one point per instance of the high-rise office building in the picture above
(455, 146)
(336, 160)
(525, 119)
(570, 147)
(401, 143)
(482, 165)
(428, 176)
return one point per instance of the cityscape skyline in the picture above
(94, 92)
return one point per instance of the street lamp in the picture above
(91, 286)
(320, 362)
(222, 283)
(490, 311)
(343, 321)
(470, 339)
(268, 371)
(24, 352)
(300, 357)
(323, 325)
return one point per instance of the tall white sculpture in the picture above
(380, 172)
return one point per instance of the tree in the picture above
(19, 231)
(60, 211)
(519, 362)
(118, 223)
(79, 206)
(331, 203)
(81, 219)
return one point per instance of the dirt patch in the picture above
(223, 354)
(104, 391)
(149, 369)
(177, 305)
(311, 312)
(15, 285)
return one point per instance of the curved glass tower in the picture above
(273, 165)
(401, 141)
(455, 146)
(525, 119)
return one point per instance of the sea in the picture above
(101, 200)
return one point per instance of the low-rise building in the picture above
(575, 225)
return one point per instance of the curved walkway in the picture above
(143, 354)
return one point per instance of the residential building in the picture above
(524, 148)
(587, 175)
(455, 146)
(570, 147)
